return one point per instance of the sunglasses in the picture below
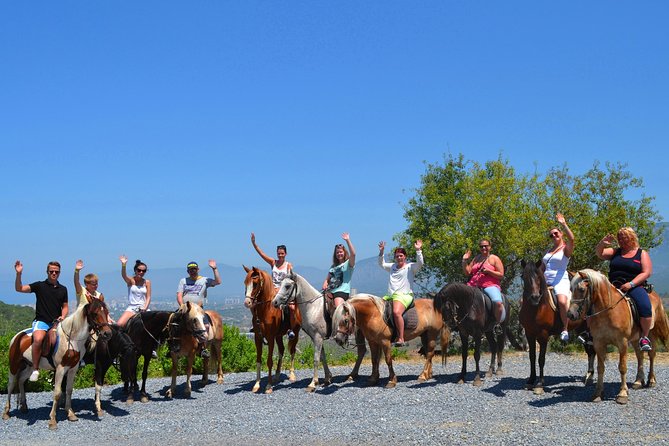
(53, 272)
(339, 245)
(140, 270)
(554, 234)
(484, 246)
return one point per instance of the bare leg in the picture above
(398, 309)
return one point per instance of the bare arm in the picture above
(217, 276)
(351, 249)
(604, 250)
(18, 286)
(180, 298)
(148, 294)
(264, 256)
(569, 243)
(124, 274)
(64, 311)
(466, 264)
(499, 267)
(77, 268)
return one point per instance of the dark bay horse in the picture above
(72, 333)
(101, 353)
(147, 330)
(268, 324)
(541, 320)
(611, 323)
(365, 312)
(463, 309)
(187, 335)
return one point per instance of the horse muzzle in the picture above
(104, 333)
(341, 338)
(248, 302)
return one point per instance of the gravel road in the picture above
(437, 412)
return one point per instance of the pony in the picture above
(102, 353)
(310, 303)
(267, 324)
(365, 312)
(610, 321)
(72, 334)
(187, 331)
(541, 320)
(147, 330)
(463, 308)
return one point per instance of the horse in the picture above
(365, 312)
(463, 308)
(72, 334)
(187, 332)
(147, 330)
(101, 353)
(267, 324)
(541, 320)
(610, 321)
(310, 303)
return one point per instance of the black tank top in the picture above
(622, 270)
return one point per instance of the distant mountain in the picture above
(660, 258)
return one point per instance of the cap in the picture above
(192, 265)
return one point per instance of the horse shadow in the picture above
(84, 408)
(570, 389)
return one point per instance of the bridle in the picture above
(584, 303)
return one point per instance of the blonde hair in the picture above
(89, 278)
(628, 236)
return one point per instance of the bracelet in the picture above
(632, 284)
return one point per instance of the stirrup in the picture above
(497, 330)
(645, 344)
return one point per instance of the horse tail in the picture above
(661, 328)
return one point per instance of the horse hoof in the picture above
(5, 416)
(596, 399)
(391, 385)
(637, 385)
(651, 384)
(538, 390)
(144, 399)
(310, 389)
(622, 399)
(489, 374)
(168, 394)
(352, 377)
(100, 413)
(477, 383)
(129, 401)
(72, 418)
(219, 380)
(53, 425)
(23, 408)
(499, 372)
(268, 391)
(256, 387)
(421, 379)
(461, 381)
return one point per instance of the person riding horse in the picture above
(485, 271)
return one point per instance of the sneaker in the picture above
(564, 336)
(644, 344)
(34, 376)
(204, 353)
(585, 338)
(399, 344)
(497, 330)
(154, 355)
(291, 335)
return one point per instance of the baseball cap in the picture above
(192, 265)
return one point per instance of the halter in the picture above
(292, 297)
(586, 301)
(350, 328)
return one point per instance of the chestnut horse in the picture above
(268, 324)
(541, 320)
(463, 308)
(365, 312)
(610, 322)
(72, 334)
(187, 332)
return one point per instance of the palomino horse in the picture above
(365, 312)
(541, 320)
(71, 344)
(610, 322)
(102, 353)
(267, 323)
(463, 308)
(148, 330)
(310, 302)
(187, 330)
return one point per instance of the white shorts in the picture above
(136, 308)
(563, 287)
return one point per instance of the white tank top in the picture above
(556, 267)
(278, 274)
(137, 295)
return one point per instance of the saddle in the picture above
(328, 311)
(410, 317)
(487, 304)
(634, 312)
(49, 343)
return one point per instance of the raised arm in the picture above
(466, 264)
(264, 256)
(351, 249)
(418, 245)
(18, 286)
(214, 268)
(604, 250)
(569, 243)
(77, 268)
(124, 274)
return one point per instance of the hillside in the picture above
(14, 318)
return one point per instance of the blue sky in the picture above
(169, 131)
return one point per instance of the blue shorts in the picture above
(493, 293)
(640, 296)
(39, 325)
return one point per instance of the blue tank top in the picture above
(622, 270)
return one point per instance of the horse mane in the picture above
(267, 285)
(596, 278)
(380, 304)
(74, 322)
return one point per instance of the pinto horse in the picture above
(72, 334)
(610, 321)
(147, 330)
(101, 353)
(365, 312)
(541, 320)
(267, 324)
(310, 303)
(463, 308)
(187, 333)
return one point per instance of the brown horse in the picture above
(610, 322)
(463, 308)
(70, 348)
(267, 324)
(365, 312)
(188, 333)
(541, 320)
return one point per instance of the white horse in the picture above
(72, 335)
(310, 301)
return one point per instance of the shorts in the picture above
(341, 295)
(39, 325)
(404, 298)
(135, 308)
(494, 293)
(563, 287)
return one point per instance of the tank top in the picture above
(556, 267)
(480, 280)
(623, 269)
(137, 295)
(278, 274)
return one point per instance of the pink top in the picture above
(481, 280)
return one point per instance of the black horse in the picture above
(466, 309)
(148, 330)
(102, 355)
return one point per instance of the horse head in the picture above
(97, 316)
(534, 282)
(581, 289)
(256, 283)
(192, 320)
(343, 320)
(287, 290)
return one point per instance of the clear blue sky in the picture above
(169, 131)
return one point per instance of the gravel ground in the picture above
(439, 411)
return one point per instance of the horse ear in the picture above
(245, 268)
(523, 263)
(583, 275)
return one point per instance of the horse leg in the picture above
(591, 364)
(144, 397)
(543, 348)
(375, 349)
(429, 354)
(292, 347)
(270, 363)
(501, 340)
(218, 358)
(318, 347)
(477, 357)
(258, 341)
(360, 344)
(639, 380)
(71, 373)
(11, 381)
(532, 350)
(600, 349)
(189, 373)
(622, 397)
(392, 378)
(22, 402)
(205, 367)
(279, 362)
(326, 370)
(465, 351)
(651, 367)
(173, 386)
(492, 344)
(100, 372)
